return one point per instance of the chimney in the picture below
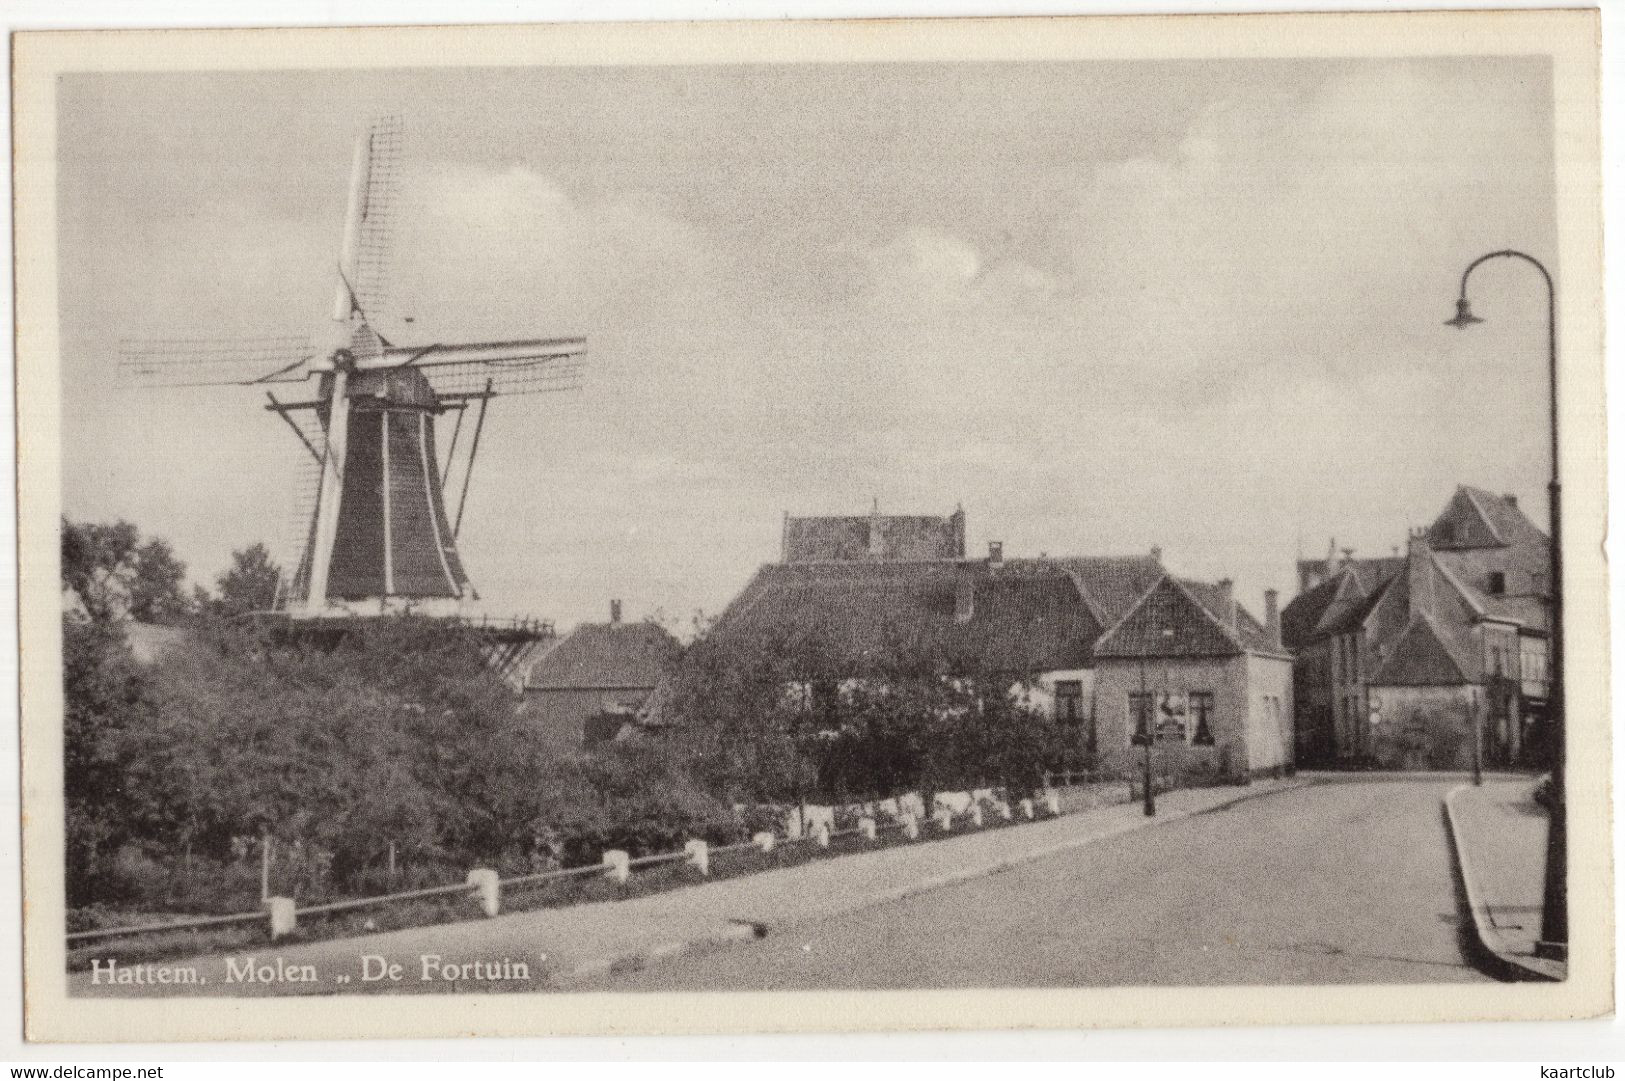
(995, 553)
(956, 529)
(1419, 571)
(1510, 500)
(964, 597)
(1331, 557)
(1156, 554)
(615, 611)
(1227, 602)
(1272, 615)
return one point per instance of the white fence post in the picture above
(866, 826)
(945, 820)
(488, 888)
(764, 840)
(618, 865)
(1026, 808)
(283, 918)
(976, 815)
(911, 827)
(699, 856)
(821, 835)
(1052, 803)
(1004, 810)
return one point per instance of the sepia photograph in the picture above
(925, 524)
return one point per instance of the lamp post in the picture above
(1554, 914)
(1146, 738)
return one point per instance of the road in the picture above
(1345, 882)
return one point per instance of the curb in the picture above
(1507, 965)
(746, 929)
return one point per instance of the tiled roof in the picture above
(1025, 615)
(1300, 619)
(602, 656)
(1376, 573)
(1476, 518)
(1181, 618)
(1348, 616)
(1423, 656)
(1511, 524)
(1112, 585)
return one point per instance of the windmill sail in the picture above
(374, 533)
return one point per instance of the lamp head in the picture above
(1464, 316)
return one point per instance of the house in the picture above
(1041, 620)
(584, 688)
(1400, 661)
(1193, 671)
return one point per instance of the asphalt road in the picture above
(1347, 882)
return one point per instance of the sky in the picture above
(1103, 306)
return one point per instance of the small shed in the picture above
(584, 688)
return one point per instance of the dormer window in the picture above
(1447, 532)
(1498, 583)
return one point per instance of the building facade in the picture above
(872, 537)
(1427, 659)
(1044, 621)
(1208, 685)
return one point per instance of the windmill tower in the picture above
(377, 537)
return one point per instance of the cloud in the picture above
(1218, 339)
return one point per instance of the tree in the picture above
(155, 584)
(105, 700)
(113, 574)
(96, 558)
(250, 584)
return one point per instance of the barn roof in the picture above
(605, 656)
(1026, 615)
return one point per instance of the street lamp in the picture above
(1554, 917)
(1145, 738)
(1148, 733)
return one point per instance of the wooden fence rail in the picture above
(283, 914)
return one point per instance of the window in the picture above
(1202, 717)
(1498, 583)
(1069, 701)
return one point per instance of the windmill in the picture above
(377, 537)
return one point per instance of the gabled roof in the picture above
(1343, 618)
(1423, 656)
(1183, 618)
(605, 656)
(1300, 619)
(1024, 615)
(1339, 602)
(1476, 518)
(1111, 585)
